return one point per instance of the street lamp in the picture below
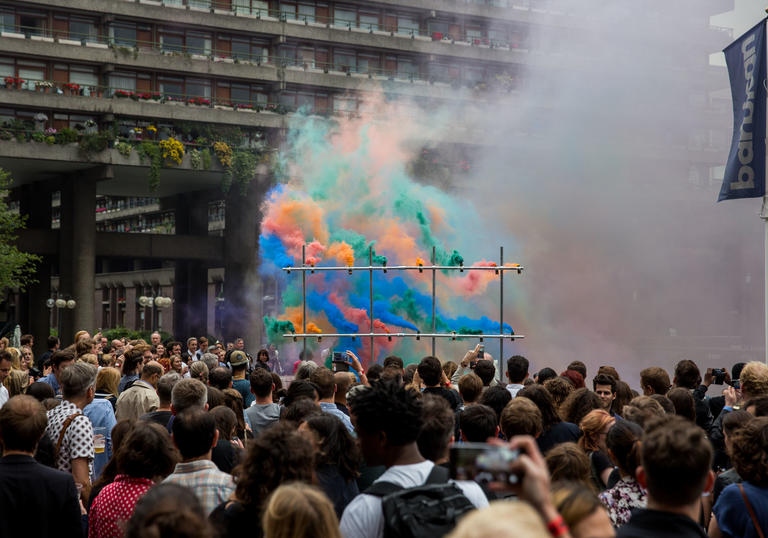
(154, 303)
(59, 303)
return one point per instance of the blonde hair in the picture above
(17, 382)
(591, 426)
(299, 511)
(32, 359)
(494, 520)
(754, 379)
(79, 335)
(90, 358)
(575, 502)
(107, 380)
(15, 357)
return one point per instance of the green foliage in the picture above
(38, 137)
(244, 168)
(124, 148)
(121, 332)
(17, 268)
(194, 159)
(151, 152)
(50, 140)
(67, 136)
(94, 143)
(205, 155)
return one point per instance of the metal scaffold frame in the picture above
(499, 269)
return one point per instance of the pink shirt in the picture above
(114, 506)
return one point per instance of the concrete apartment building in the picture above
(90, 65)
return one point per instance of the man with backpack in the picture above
(388, 420)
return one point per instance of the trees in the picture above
(17, 268)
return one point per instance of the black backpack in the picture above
(431, 510)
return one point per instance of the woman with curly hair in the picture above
(338, 458)
(277, 455)
(578, 404)
(594, 427)
(742, 509)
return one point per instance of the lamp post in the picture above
(154, 302)
(59, 303)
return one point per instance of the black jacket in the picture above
(37, 500)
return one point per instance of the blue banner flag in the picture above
(745, 170)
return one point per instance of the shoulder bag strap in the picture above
(382, 489)
(438, 475)
(751, 512)
(64, 428)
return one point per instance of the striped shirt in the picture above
(211, 486)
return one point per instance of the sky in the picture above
(742, 18)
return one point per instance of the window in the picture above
(344, 61)
(122, 81)
(84, 29)
(123, 34)
(171, 86)
(245, 49)
(7, 21)
(7, 68)
(306, 13)
(406, 68)
(31, 72)
(171, 41)
(407, 24)
(198, 88)
(344, 17)
(367, 63)
(204, 4)
(307, 57)
(369, 21)
(288, 10)
(199, 43)
(32, 23)
(307, 101)
(344, 104)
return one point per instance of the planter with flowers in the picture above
(70, 88)
(43, 86)
(123, 94)
(14, 83)
(199, 101)
(246, 108)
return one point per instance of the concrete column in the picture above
(78, 252)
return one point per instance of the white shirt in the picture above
(514, 388)
(3, 395)
(363, 517)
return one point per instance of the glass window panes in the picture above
(198, 88)
(204, 4)
(125, 81)
(344, 17)
(172, 87)
(199, 43)
(344, 61)
(407, 24)
(369, 21)
(288, 10)
(85, 76)
(123, 35)
(171, 42)
(7, 21)
(306, 13)
(83, 29)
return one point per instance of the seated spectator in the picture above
(494, 520)
(141, 397)
(36, 500)
(478, 423)
(688, 376)
(559, 388)
(276, 456)
(567, 462)
(643, 410)
(299, 511)
(742, 509)
(521, 417)
(517, 372)
(578, 404)
(325, 382)
(145, 456)
(554, 430)
(623, 443)
(684, 403)
(665, 403)
(431, 373)
(437, 427)
(195, 434)
(654, 380)
(732, 422)
(168, 511)
(594, 429)
(497, 398)
(605, 387)
(676, 459)
(544, 375)
(582, 511)
(162, 415)
(338, 458)
(470, 388)
(388, 421)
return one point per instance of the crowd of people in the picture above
(197, 439)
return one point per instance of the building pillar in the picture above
(190, 290)
(243, 308)
(78, 253)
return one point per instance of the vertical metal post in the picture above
(433, 299)
(501, 314)
(304, 297)
(370, 289)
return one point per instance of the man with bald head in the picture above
(141, 397)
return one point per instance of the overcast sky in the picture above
(746, 15)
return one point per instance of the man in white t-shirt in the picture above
(5, 371)
(387, 418)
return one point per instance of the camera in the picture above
(718, 375)
(483, 463)
(481, 352)
(340, 361)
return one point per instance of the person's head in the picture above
(568, 462)
(392, 374)
(545, 374)
(299, 511)
(238, 360)
(543, 400)
(604, 386)
(676, 460)
(262, 355)
(239, 344)
(52, 342)
(408, 373)
(174, 348)
(683, 401)
(494, 520)
(108, 381)
(194, 433)
(664, 402)
(220, 378)
(623, 443)
(387, 417)
(301, 389)
(169, 510)
(393, 360)
(578, 366)
(226, 421)
(151, 373)
(430, 371)
(261, 383)
(279, 454)
(470, 388)
(478, 423)
(754, 380)
(574, 377)
(757, 407)
(559, 388)
(343, 381)
(654, 380)
(210, 360)
(22, 424)
(155, 338)
(40, 391)
(520, 417)
(298, 410)
(188, 393)
(165, 388)
(496, 398)
(582, 511)
(305, 369)
(687, 374)
(325, 382)
(485, 370)
(27, 358)
(192, 345)
(78, 382)
(736, 370)
(198, 370)
(731, 422)
(215, 397)
(594, 427)
(578, 404)
(80, 335)
(334, 445)
(437, 426)
(449, 368)
(749, 451)
(642, 410)
(146, 452)
(374, 372)
(60, 360)
(609, 370)
(517, 369)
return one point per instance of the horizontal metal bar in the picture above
(405, 268)
(452, 336)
